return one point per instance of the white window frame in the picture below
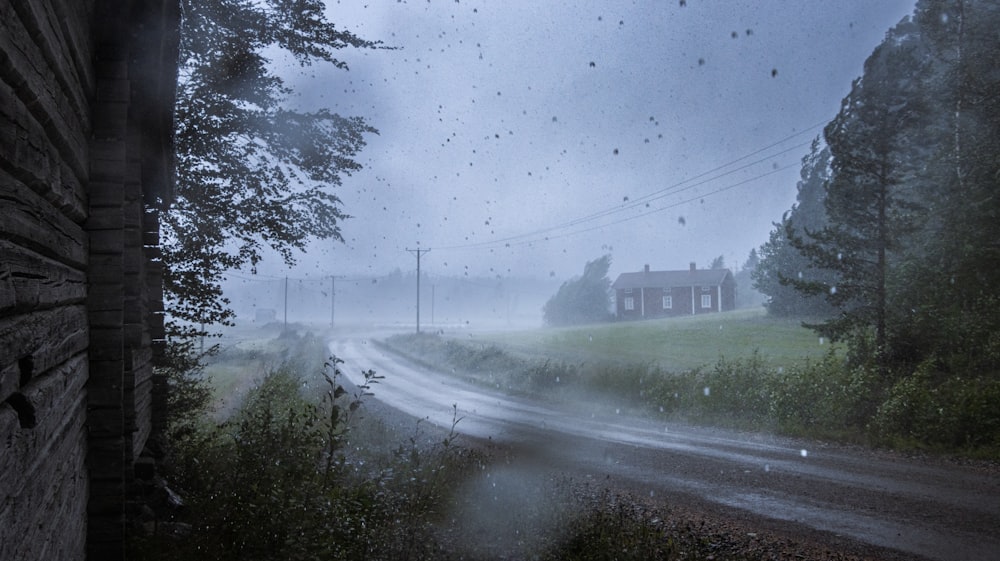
(706, 300)
(629, 304)
(668, 302)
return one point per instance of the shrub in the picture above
(614, 527)
(828, 397)
(278, 481)
(950, 411)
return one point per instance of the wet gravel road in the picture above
(838, 496)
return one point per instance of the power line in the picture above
(656, 210)
(673, 189)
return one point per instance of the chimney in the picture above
(647, 269)
(694, 267)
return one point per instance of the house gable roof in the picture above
(672, 279)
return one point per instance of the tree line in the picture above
(893, 244)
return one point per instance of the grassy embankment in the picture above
(675, 344)
(741, 369)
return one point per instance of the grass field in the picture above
(675, 344)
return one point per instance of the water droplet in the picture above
(707, 391)
(833, 290)
(803, 452)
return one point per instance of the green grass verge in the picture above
(675, 344)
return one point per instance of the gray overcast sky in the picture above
(504, 123)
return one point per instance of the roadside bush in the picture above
(738, 389)
(278, 481)
(734, 391)
(935, 410)
(824, 398)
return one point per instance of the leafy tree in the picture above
(253, 171)
(718, 263)
(582, 299)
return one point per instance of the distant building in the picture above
(657, 294)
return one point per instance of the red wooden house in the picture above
(656, 294)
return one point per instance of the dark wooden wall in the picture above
(86, 101)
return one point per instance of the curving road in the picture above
(917, 508)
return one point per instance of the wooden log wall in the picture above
(86, 101)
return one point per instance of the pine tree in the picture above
(955, 263)
(780, 262)
(868, 210)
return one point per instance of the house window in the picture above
(706, 289)
(668, 302)
(706, 300)
(629, 304)
(628, 291)
(666, 290)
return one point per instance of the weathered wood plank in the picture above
(45, 470)
(78, 39)
(31, 221)
(50, 337)
(38, 282)
(55, 396)
(38, 84)
(57, 48)
(30, 156)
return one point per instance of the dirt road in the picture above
(919, 508)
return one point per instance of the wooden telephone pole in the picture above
(418, 252)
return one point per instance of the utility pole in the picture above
(418, 252)
(286, 302)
